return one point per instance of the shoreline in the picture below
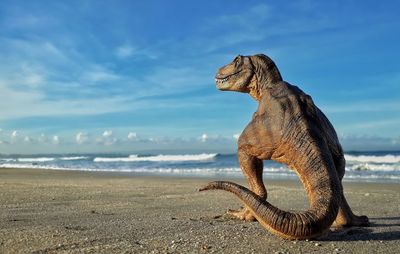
(212, 176)
(81, 211)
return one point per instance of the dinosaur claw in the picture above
(243, 214)
(355, 221)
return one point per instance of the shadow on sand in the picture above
(381, 229)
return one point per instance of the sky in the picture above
(125, 76)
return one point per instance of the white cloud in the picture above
(107, 138)
(124, 51)
(40, 66)
(177, 78)
(203, 138)
(34, 79)
(34, 103)
(132, 136)
(14, 134)
(56, 140)
(81, 138)
(99, 74)
(32, 76)
(236, 136)
(127, 50)
(107, 134)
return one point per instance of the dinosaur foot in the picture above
(359, 221)
(242, 214)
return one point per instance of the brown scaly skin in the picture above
(288, 128)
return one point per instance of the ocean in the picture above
(360, 166)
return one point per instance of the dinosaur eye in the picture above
(237, 60)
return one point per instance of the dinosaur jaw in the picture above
(236, 81)
(224, 82)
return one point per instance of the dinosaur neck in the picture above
(262, 82)
(266, 76)
(258, 89)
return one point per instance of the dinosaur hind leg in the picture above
(252, 169)
(346, 218)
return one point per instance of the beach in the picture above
(58, 211)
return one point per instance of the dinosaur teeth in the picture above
(221, 80)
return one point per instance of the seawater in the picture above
(360, 166)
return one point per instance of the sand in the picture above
(45, 211)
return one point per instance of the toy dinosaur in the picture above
(288, 128)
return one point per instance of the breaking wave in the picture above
(7, 159)
(389, 158)
(161, 170)
(73, 158)
(32, 166)
(280, 173)
(374, 166)
(159, 158)
(41, 159)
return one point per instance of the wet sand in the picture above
(44, 211)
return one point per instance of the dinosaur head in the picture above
(248, 74)
(235, 76)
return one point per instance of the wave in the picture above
(73, 158)
(374, 167)
(279, 172)
(371, 178)
(159, 158)
(44, 159)
(7, 159)
(389, 158)
(31, 166)
(196, 171)
(41, 159)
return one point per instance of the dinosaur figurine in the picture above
(287, 128)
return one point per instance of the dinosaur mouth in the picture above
(226, 78)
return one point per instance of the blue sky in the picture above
(121, 76)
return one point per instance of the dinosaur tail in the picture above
(324, 194)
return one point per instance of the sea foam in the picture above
(159, 158)
(41, 159)
(389, 158)
(72, 158)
